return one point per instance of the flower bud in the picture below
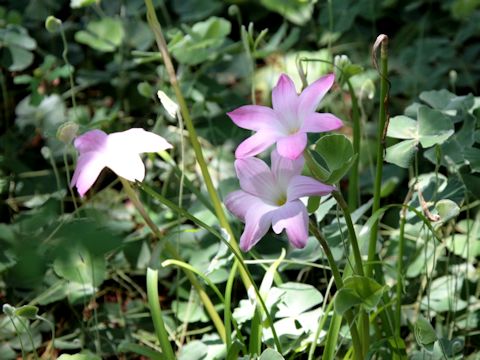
(67, 132)
(52, 24)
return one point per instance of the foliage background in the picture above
(82, 262)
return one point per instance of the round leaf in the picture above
(401, 154)
(336, 152)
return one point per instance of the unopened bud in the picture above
(52, 24)
(67, 132)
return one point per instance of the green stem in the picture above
(351, 231)
(382, 119)
(173, 252)
(70, 73)
(156, 311)
(401, 248)
(353, 188)
(217, 204)
(357, 345)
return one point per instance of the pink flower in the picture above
(270, 197)
(118, 151)
(287, 124)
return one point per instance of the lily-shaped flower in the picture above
(271, 197)
(287, 124)
(118, 151)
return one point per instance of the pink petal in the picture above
(292, 146)
(238, 203)
(293, 218)
(301, 186)
(93, 140)
(257, 222)
(255, 177)
(283, 169)
(127, 165)
(321, 122)
(312, 95)
(255, 144)
(285, 104)
(137, 141)
(254, 117)
(89, 166)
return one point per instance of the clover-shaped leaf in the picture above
(358, 290)
(431, 128)
(102, 35)
(336, 151)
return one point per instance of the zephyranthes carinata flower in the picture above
(289, 120)
(271, 197)
(118, 151)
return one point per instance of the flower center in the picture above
(281, 200)
(293, 131)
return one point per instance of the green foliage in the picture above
(80, 263)
(337, 156)
(103, 35)
(431, 128)
(200, 42)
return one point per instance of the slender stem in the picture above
(67, 172)
(70, 73)
(156, 311)
(228, 305)
(401, 247)
(3, 88)
(353, 188)
(173, 252)
(357, 345)
(351, 231)
(382, 119)
(217, 204)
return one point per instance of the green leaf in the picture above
(313, 204)
(447, 209)
(401, 154)
(102, 35)
(19, 58)
(445, 100)
(80, 266)
(402, 127)
(367, 289)
(145, 89)
(296, 11)
(336, 152)
(472, 156)
(189, 311)
(467, 247)
(27, 311)
(201, 42)
(444, 294)
(424, 332)
(271, 354)
(433, 127)
(194, 350)
(345, 299)
(81, 356)
(358, 290)
(296, 298)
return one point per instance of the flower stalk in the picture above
(156, 311)
(382, 41)
(217, 204)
